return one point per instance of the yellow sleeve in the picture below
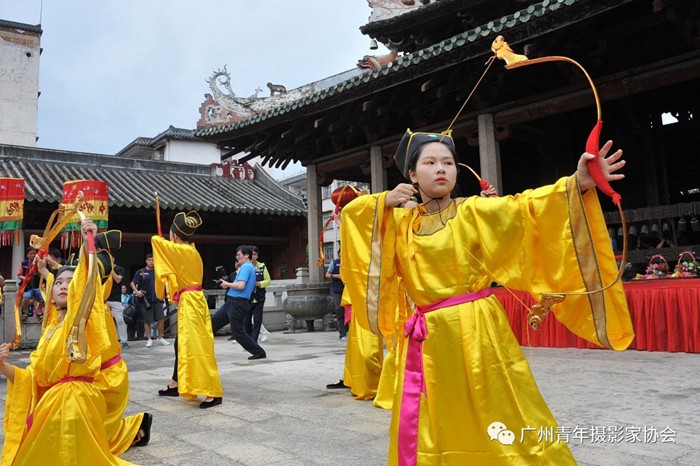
(553, 239)
(18, 406)
(165, 257)
(368, 268)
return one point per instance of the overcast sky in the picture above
(115, 70)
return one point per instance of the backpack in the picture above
(129, 314)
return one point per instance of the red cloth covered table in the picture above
(665, 317)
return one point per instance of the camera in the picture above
(221, 271)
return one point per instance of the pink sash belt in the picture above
(30, 418)
(111, 362)
(176, 296)
(416, 330)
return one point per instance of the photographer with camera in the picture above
(238, 296)
(145, 298)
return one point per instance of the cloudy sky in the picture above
(114, 70)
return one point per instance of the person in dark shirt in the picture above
(143, 285)
(337, 287)
(115, 304)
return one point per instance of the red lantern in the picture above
(343, 195)
(11, 210)
(94, 205)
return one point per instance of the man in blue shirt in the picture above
(238, 301)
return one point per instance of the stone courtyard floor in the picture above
(631, 408)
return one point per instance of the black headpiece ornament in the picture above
(185, 224)
(410, 145)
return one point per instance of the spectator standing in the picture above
(32, 296)
(125, 299)
(238, 301)
(115, 303)
(337, 287)
(143, 285)
(262, 280)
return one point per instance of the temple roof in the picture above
(424, 89)
(468, 45)
(420, 26)
(172, 133)
(21, 26)
(132, 183)
(409, 60)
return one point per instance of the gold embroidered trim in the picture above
(430, 223)
(374, 270)
(587, 258)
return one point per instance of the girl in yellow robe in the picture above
(113, 379)
(54, 412)
(466, 394)
(178, 267)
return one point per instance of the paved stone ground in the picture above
(278, 412)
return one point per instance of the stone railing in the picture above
(31, 328)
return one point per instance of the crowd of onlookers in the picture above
(147, 313)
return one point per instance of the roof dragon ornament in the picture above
(223, 106)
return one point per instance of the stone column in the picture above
(489, 152)
(9, 294)
(377, 171)
(18, 255)
(313, 219)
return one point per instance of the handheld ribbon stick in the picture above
(57, 221)
(77, 339)
(166, 304)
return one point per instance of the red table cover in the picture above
(665, 316)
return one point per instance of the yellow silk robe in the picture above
(113, 382)
(547, 239)
(392, 361)
(179, 266)
(67, 418)
(363, 361)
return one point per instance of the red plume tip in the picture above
(484, 185)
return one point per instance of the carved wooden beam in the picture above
(247, 158)
(429, 84)
(369, 105)
(502, 132)
(321, 121)
(260, 137)
(286, 162)
(305, 136)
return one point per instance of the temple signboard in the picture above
(236, 170)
